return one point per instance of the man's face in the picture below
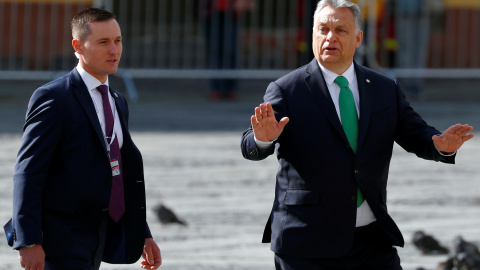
(334, 39)
(100, 53)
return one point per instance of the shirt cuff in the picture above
(447, 155)
(261, 144)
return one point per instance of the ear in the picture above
(76, 46)
(359, 38)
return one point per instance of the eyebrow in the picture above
(345, 26)
(106, 39)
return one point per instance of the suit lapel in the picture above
(81, 93)
(366, 99)
(317, 86)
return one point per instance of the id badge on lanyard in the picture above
(115, 166)
(114, 161)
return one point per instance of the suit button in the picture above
(105, 210)
(354, 197)
(253, 152)
(356, 171)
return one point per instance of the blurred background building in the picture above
(256, 39)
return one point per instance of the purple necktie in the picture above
(117, 199)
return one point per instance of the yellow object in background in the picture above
(462, 3)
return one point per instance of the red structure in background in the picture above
(37, 34)
(456, 43)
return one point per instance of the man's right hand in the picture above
(265, 126)
(32, 258)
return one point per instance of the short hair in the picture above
(336, 4)
(81, 21)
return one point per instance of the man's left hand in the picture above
(452, 138)
(152, 259)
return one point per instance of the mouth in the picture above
(112, 61)
(330, 50)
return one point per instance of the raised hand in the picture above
(452, 138)
(265, 126)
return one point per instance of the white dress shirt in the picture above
(92, 83)
(364, 213)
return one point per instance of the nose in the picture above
(113, 48)
(330, 36)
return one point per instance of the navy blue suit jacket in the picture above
(314, 211)
(63, 170)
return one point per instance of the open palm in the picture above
(265, 127)
(452, 138)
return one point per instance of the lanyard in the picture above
(102, 124)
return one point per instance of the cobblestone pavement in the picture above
(193, 164)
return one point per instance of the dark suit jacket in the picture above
(314, 211)
(63, 175)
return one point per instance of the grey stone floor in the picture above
(193, 164)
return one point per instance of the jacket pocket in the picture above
(301, 197)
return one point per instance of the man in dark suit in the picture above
(79, 192)
(330, 208)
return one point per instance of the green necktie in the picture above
(349, 117)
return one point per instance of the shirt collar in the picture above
(90, 81)
(330, 76)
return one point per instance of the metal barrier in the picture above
(241, 38)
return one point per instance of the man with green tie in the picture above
(334, 124)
